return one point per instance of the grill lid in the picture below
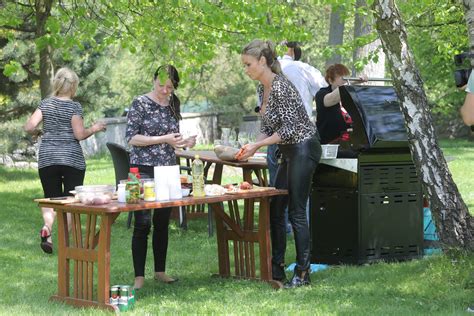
(377, 119)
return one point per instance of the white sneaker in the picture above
(470, 309)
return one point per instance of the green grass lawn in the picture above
(439, 285)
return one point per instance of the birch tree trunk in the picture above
(469, 16)
(336, 34)
(362, 27)
(453, 221)
(43, 11)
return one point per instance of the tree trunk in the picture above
(469, 16)
(336, 34)
(453, 221)
(43, 11)
(362, 27)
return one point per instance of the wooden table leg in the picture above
(240, 230)
(103, 260)
(63, 261)
(83, 255)
(259, 173)
(247, 175)
(222, 243)
(216, 179)
(217, 175)
(264, 240)
(265, 244)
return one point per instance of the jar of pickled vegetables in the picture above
(133, 188)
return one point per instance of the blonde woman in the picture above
(61, 163)
(284, 122)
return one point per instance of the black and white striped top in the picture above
(58, 145)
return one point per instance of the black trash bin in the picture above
(372, 211)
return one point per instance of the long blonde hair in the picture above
(258, 48)
(65, 82)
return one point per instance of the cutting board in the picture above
(67, 200)
(254, 189)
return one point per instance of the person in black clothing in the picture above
(333, 122)
(284, 122)
(153, 133)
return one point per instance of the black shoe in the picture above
(45, 233)
(278, 272)
(297, 280)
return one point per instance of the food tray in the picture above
(254, 189)
(64, 200)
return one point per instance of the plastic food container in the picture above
(185, 191)
(95, 194)
(329, 151)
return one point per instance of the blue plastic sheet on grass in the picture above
(431, 251)
(313, 267)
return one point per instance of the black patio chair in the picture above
(121, 161)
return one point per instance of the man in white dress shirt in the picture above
(307, 79)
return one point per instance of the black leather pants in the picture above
(295, 173)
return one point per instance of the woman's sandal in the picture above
(169, 280)
(45, 233)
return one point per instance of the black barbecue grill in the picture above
(373, 211)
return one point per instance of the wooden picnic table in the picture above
(89, 246)
(255, 166)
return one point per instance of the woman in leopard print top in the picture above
(285, 112)
(286, 123)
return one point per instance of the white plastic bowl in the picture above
(329, 151)
(185, 191)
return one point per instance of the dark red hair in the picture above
(334, 71)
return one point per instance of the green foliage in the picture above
(225, 87)
(82, 34)
(437, 33)
(11, 68)
(13, 136)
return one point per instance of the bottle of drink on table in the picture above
(198, 177)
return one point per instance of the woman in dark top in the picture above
(331, 124)
(61, 165)
(153, 133)
(284, 122)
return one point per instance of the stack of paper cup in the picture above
(162, 192)
(174, 182)
(167, 183)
